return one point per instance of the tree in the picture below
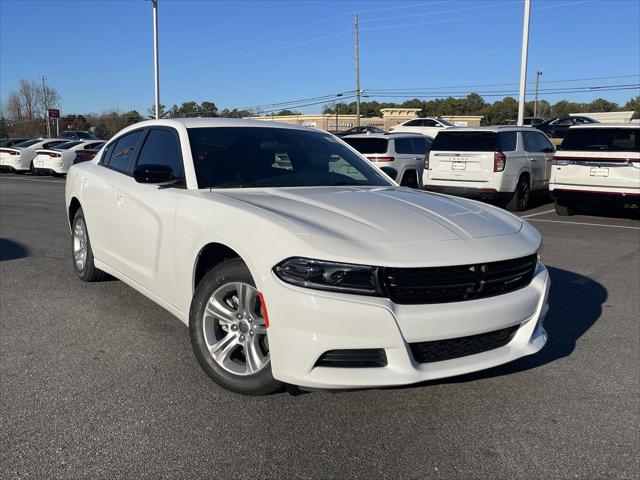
(633, 104)
(285, 112)
(152, 111)
(602, 105)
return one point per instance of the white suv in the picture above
(597, 163)
(425, 126)
(405, 153)
(503, 163)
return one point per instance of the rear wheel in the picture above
(520, 199)
(409, 179)
(228, 330)
(565, 209)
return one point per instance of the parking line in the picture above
(539, 213)
(583, 223)
(32, 180)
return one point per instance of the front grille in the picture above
(355, 358)
(439, 350)
(458, 283)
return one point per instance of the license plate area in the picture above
(599, 172)
(458, 166)
(39, 164)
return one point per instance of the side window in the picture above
(544, 145)
(507, 141)
(52, 144)
(427, 122)
(162, 147)
(565, 121)
(124, 151)
(530, 143)
(106, 154)
(90, 146)
(413, 123)
(404, 145)
(420, 145)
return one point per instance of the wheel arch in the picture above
(208, 257)
(74, 206)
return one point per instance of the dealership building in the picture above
(389, 118)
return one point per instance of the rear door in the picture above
(463, 156)
(535, 156)
(599, 159)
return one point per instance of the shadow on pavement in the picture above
(12, 250)
(575, 304)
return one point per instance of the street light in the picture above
(155, 57)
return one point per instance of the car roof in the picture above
(387, 136)
(491, 128)
(203, 122)
(606, 125)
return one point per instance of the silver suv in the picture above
(403, 152)
(503, 163)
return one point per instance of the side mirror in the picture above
(390, 171)
(153, 174)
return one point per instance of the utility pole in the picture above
(156, 63)
(535, 102)
(46, 107)
(357, 48)
(523, 65)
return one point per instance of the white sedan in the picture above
(19, 158)
(57, 160)
(293, 260)
(425, 126)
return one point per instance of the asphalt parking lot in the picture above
(99, 382)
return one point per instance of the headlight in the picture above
(332, 276)
(540, 250)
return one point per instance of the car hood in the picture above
(374, 214)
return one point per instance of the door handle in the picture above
(120, 200)
(534, 160)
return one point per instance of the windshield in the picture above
(368, 145)
(239, 157)
(27, 143)
(602, 139)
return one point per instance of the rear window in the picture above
(27, 143)
(466, 141)
(368, 145)
(68, 145)
(602, 139)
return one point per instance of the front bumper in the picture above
(307, 323)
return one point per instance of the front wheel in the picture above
(520, 199)
(228, 330)
(81, 251)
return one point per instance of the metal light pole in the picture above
(523, 65)
(46, 107)
(535, 101)
(156, 63)
(357, 51)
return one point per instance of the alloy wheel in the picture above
(523, 193)
(235, 330)
(80, 244)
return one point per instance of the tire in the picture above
(32, 169)
(520, 200)
(81, 252)
(228, 334)
(409, 179)
(565, 209)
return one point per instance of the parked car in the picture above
(359, 130)
(403, 152)
(533, 121)
(57, 160)
(504, 163)
(19, 158)
(10, 142)
(558, 127)
(597, 164)
(78, 135)
(86, 154)
(425, 126)
(287, 271)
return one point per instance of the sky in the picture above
(99, 54)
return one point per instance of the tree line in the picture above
(24, 111)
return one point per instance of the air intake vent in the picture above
(356, 358)
(440, 350)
